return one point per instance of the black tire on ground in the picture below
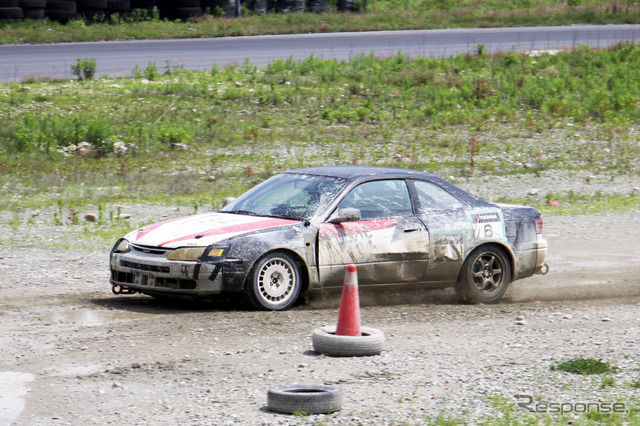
(289, 6)
(186, 3)
(32, 4)
(91, 4)
(11, 13)
(274, 283)
(93, 15)
(9, 3)
(183, 12)
(33, 13)
(326, 341)
(351, 5)
(309, 399)
(485, 276)
(61, 6)
(119, 6)
(230, 8)
(344, 5)
(258, 6)
(318, 6)
(60, 15)
(141, 13)
(143, 4)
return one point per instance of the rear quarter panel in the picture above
(522, 237)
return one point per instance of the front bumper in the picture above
(138, 271)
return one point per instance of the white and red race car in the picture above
(297, 231)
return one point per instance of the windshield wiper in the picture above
(247, 212)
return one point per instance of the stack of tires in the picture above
(119, 7)
(33, 9)
(142, 8)
(180, 9)
(228, 8)
(61, 10)
(92, 10)
(318, 6)
(10, 10)
(289, 6)
(351, 5)
(97, 10)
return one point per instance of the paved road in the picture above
(118, 58)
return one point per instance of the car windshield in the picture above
(290, 195)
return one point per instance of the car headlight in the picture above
(122, 246)
(186, 253)
(195, 253)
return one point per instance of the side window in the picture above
(432, 197)
(380, 199)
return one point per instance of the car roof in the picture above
(361, 173)
(357, 172)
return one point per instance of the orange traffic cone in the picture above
(349, 313)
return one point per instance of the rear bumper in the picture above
(541, 255)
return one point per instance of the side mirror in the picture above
(346, 215)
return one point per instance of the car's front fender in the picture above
(245, 251)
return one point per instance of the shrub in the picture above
(84, 68)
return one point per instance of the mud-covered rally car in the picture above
(297, 231)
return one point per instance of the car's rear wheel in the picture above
(274, 283)
(485, 276)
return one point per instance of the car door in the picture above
(388, 243)
(450, 230)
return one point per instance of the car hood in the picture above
(202, 229)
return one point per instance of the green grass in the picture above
(584, 366)
(183, 137)
(380, 15)
(570, 203)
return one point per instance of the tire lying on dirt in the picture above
(326, 341)
(309, 399)
(485, 276)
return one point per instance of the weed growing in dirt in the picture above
(84, 68)
(607, 382)
(584, 366)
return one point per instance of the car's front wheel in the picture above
(274, 284)
(485, 276)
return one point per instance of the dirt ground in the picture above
(73, 353)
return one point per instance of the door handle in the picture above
(411, 229)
